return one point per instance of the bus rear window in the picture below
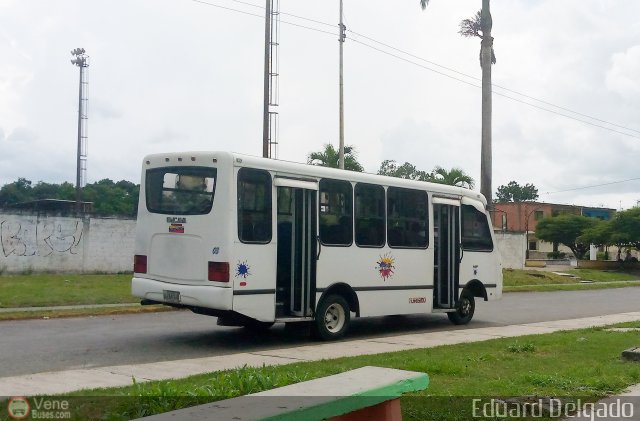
(180, 190)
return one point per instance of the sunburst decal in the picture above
(385, 266)
(242, 270)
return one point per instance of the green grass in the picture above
(605, 275)
(584, 363)
(54, 290)
(540, 281)
(515, 277)
(56, 314)
(570, 287)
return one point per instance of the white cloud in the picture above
(623, 74)
(179, 75)
(22, 135)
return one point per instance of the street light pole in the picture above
(80, 60)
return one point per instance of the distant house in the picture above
(523, 217)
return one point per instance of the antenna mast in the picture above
(82, 61)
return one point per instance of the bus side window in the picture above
(476, 234)
(254, 206)
(369, 215)
(407, 218)
(336, 212)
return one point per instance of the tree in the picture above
(108, 198)
(453, 177)
(406, 170)
(599, 234)
(480, 26)
(625, 228)
(16, 192)
(514, 192)
(330, 157)
(566, 229)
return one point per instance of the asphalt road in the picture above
(33, 346)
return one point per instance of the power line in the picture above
(493, 84)
(261, 16)
(495, 93)
(436, 71)
(593, 186)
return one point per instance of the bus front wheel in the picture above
(465, 310)
(332, 318)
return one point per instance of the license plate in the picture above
(171, 296)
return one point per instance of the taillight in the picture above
(219, 271)
(139, 263)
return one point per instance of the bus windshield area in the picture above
(180, 190)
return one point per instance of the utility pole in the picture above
(82, 61)
(271, 75)
(267, 60)
(343, 35)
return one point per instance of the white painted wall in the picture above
(75, 245)
(62, 244)
(512, 248)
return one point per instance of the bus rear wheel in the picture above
(465, 310)
(332, 318)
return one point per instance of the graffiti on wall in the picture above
(43, 238)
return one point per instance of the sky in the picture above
(178, 75)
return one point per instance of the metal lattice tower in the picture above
(82, 61)
(271, 81)
(274, 74)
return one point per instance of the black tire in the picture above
(332, 318)
(465, 310)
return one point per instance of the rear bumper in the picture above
(207, 296)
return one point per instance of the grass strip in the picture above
(45, 290)
(605, 275)
(55, 314)
(570, 287)
(582, 364)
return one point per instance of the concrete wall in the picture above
(512, 248)
(41, 243)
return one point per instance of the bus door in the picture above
(297, 247)
(447, 252)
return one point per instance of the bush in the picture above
(556, 255)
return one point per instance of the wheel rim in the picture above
(334, 318)
(465, 307)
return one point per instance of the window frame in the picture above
(384, 215)
(268, 207)
(213, 171)
(486, 224)
(425, 220)
(321, 186)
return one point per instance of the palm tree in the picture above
(453, 177)
(480, 26)
(330, 157)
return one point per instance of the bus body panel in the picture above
(388, 288)
(190, 295)
(253, 276)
